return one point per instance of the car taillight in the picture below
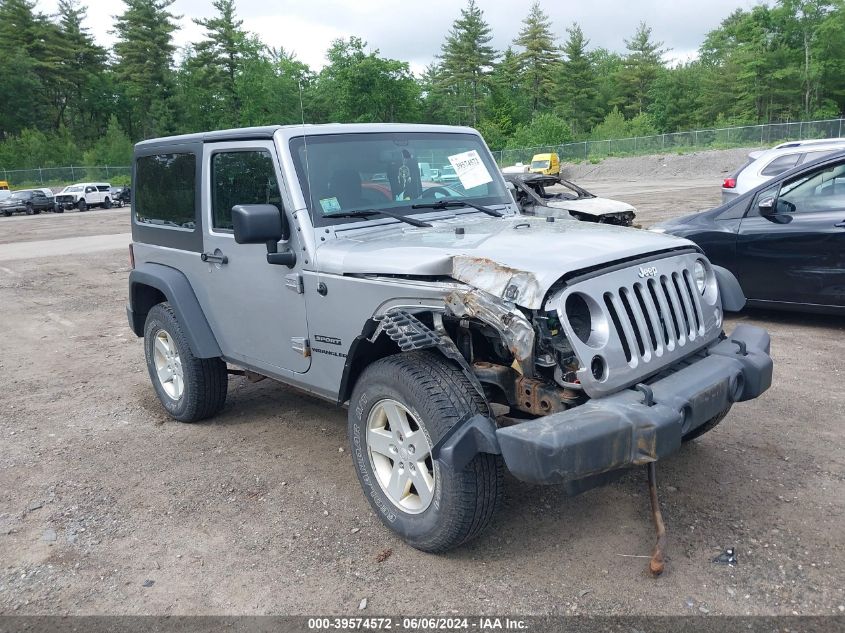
(729, 183)
(131, 257)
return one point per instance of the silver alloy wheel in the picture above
(400, 455)
(168, 365)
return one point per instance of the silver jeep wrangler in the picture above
(464, 338)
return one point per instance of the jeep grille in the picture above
(630, 323)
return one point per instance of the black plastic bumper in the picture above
(581, 446)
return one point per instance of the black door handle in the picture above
(214, 259)
(840, 225)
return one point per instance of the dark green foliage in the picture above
(539, 57)
(576, 88)
(467, 59)
(144, 67)
(68, 101)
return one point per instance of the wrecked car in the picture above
(543, 195)
(463, 337)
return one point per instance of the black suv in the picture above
(27, 201)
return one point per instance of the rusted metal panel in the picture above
(519, 286)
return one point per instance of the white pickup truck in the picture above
(84, 195)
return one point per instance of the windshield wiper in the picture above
(371, 212)
(448, 204)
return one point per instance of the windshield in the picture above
(20, 195)
(74, 188)
(345, 173)
(540, 164)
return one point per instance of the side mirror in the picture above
(263, 224)
(766, 206)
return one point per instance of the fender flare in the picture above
(177, 290)
(733, 298)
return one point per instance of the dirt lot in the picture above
(108, 506)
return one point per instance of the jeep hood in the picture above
(516, 257)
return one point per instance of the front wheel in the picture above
(189, 388)
(29, 209)
(107, 204)
(83, 205)
(401, 406)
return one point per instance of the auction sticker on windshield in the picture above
(470, 169)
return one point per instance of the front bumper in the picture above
(580, 447)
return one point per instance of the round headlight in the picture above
(699, 274)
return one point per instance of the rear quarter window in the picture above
(165, 190)
(780, 165)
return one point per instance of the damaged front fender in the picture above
(515, 330)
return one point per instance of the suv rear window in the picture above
(165, 191)
(780, 165)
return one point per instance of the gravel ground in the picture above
(715, 164)
(108, 506)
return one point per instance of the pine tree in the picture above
(576, 93)
(641, 67)
(219, 58)
(80, 62)
(144, 52)
(467, 56)
(539, 57)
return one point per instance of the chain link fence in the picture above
(717, 138)
(60, 176)
(721, 138)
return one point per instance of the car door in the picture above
(791, 244)
(39, 201)
(257, 309)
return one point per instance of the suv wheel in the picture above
(711, 424)
(189, 388)
(29, 209)
(107, 204)
(401, 406)
(82, 205)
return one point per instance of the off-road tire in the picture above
(707, 426)
(82, 205)
(107, 204)
(205, 379)
(438, 395)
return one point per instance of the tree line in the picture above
(68, 100)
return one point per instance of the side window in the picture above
(90, 189)
(241, 177)
(102, 188)
(820, 190)
(780, 165)
(165, 190)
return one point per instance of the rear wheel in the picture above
(711, 424)
(401, 406)
(189, 388)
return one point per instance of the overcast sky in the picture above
(413, 31)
